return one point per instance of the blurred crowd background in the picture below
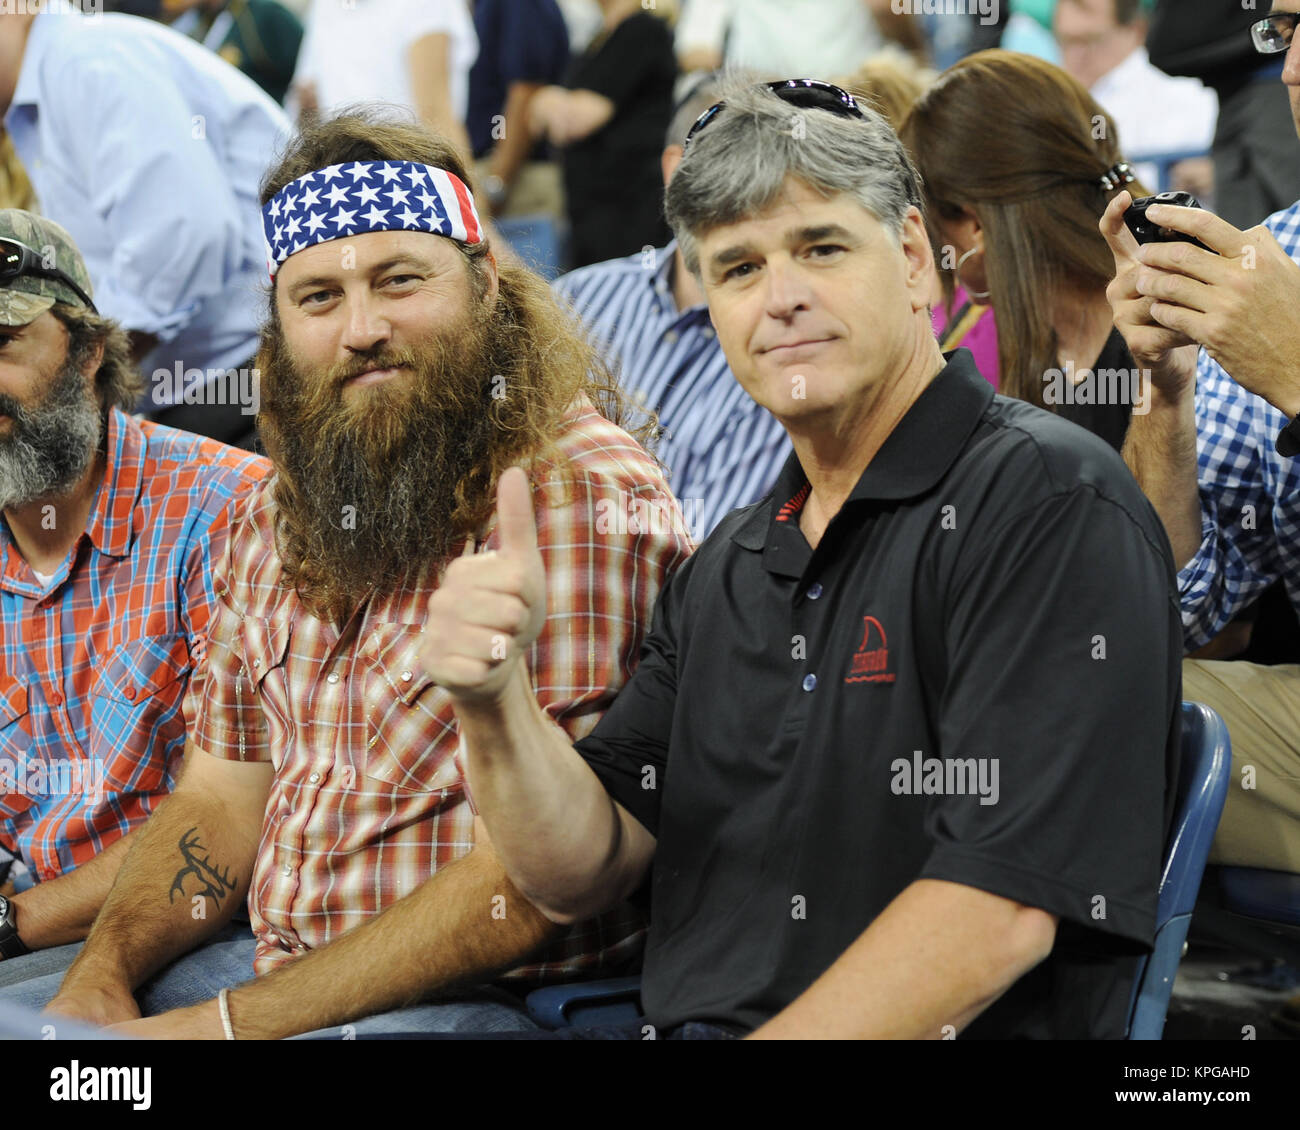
(572, 183)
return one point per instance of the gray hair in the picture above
(707, 91)
(737, 165)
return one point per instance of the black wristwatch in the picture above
(11, 945)
(1288, 439)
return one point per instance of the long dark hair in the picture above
(1024, 146)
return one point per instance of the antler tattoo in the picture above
(214, 884)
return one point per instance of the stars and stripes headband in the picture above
(366, 196)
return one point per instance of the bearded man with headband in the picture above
(407, 379)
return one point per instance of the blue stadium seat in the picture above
(1273, 896)
(587, 1004)
(1202, 789)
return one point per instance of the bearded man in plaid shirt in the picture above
(109, 526)
(404, 371)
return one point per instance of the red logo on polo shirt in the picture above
(871, 660)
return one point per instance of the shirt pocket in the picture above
(15, 744)
(13, 707)
(411, 725)
(261, 697)
(137, 720)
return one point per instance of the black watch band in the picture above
(1288, 439)
(11, 945)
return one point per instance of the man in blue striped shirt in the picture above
(647, 315)
(1234, 520)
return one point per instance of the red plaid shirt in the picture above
(368, 799)
(96, 662)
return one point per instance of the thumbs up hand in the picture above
(490, 607)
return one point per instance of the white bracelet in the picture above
(223, 1003)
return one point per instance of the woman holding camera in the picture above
(1019, 163)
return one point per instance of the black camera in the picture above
(1146, 231)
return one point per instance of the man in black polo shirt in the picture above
(896, 757)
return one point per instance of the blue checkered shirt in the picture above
(1250, 495)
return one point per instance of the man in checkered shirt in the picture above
(1234, 520)
(404, 371)
(110, 525)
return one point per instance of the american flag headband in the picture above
(365, 196)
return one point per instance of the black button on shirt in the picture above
(996, 598)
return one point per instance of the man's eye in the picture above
(315, 298)
(739, 271)
(825, 250)
(401, 280)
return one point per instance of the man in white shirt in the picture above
(412, 53)
(784, 38)
(1102, 45)
(148, 148)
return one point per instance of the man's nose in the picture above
(788, 291)
(1291, 64)
(365, 326)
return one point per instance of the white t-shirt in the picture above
(823, 39)
(1156, 113)
(358, 50)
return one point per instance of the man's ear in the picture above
(90, 366)
(669, 159)
(489, 266)
(919, 256)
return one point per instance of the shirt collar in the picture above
(918, 453)
(110, 528)
(27, 91)
(661, 281)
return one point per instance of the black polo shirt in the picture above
(975, 677)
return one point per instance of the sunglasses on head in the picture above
(1272, 35)
(18, 259)
(805, 93)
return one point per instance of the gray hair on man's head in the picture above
(707, 91)
(737, 165)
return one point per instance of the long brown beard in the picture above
(377, 486)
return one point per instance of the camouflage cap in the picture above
(29, 296)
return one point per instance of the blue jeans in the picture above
(38, 963)
(19, 1023)
(691, 1030)
(488, 1010)
(221, 963)
(227, 961)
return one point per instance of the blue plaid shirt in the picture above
(1250, 495)
(96, 661)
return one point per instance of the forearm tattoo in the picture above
(213, 883)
